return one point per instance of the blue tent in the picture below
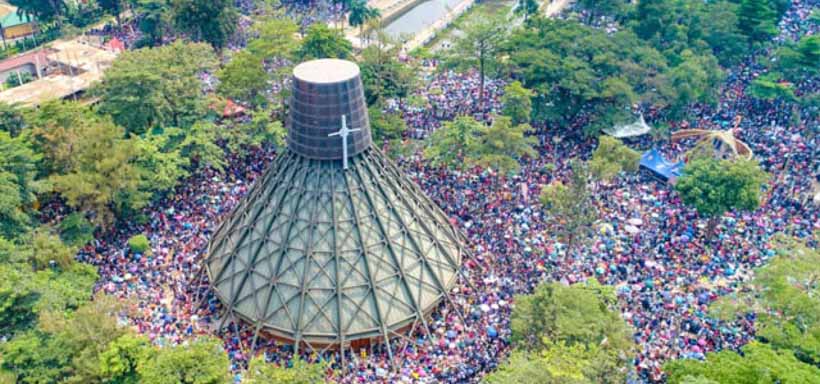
(665, 169)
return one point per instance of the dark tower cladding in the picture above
(333, 246)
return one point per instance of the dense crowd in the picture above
(647, 244)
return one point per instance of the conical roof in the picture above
(323, 254)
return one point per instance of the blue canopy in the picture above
(665, 169)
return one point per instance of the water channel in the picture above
(420, 17)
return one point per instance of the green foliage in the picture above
(570, 205)
(14, 81)
(43, 11)
(119, 361)
(323, 42)
(798, 61)
(11, 119)
(17, 300)
(361, 13)
(261, 372)
(156, 87)
(101, 176)
(244, 79)
(479, 45)
(200, 145)
(546, 322)
(532, 368)
(260, 130)
(139, 243)
(500, 145)
(75, 230)
(527, 8)
(66, 347)
(152, 20)
(715, 186)
(212, 21)
(18, 169)
(759, 364)
(35, 358)
(783, 294)
(517, 102)
(757, 20)
(385, 126)
(450, 143)
(201, 362)
(383, 76)
(769, 87)
(48, 250)
(613, 157)
(161, 159)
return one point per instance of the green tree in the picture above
(119, 361)
(517, 102)
(76, 230)
(200, 362)
(757, 20)
(759, 364)
(103, 178)
(570, 205)
(11, 119)
(44, 11)
(55, 135)
(527, 8)
(17, 299)
(798, 61)
(139, 243)
(244, 79)
(782, 294)
(262, 129)
(546, 323)
(35, 357)
(114, 8)
(500, 145)
(479, 44)
(200, 145)
(48, 249)
(85, 334)
(383, 75)
(276, 45)
(261, 372)
(211, 21)
(385, 126)
(771, 87)
(18, 169)
(156, 87)
(613, 157)
(152, 20)
(714, 187)
(360, 14)
(450, 143)
(322, 42)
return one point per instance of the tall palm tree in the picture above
(360, 14)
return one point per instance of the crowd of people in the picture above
(647, 244)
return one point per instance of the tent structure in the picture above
(668, 171)
(333, 246)
(637, 128)
(720, 144)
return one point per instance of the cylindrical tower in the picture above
(323, 92)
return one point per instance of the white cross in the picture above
(343, 132)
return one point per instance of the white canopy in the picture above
(637, 128)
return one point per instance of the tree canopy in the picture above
(550, 347)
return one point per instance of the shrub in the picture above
(139, 243)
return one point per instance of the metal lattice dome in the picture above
(320, 254)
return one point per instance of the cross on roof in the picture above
(344, 132)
